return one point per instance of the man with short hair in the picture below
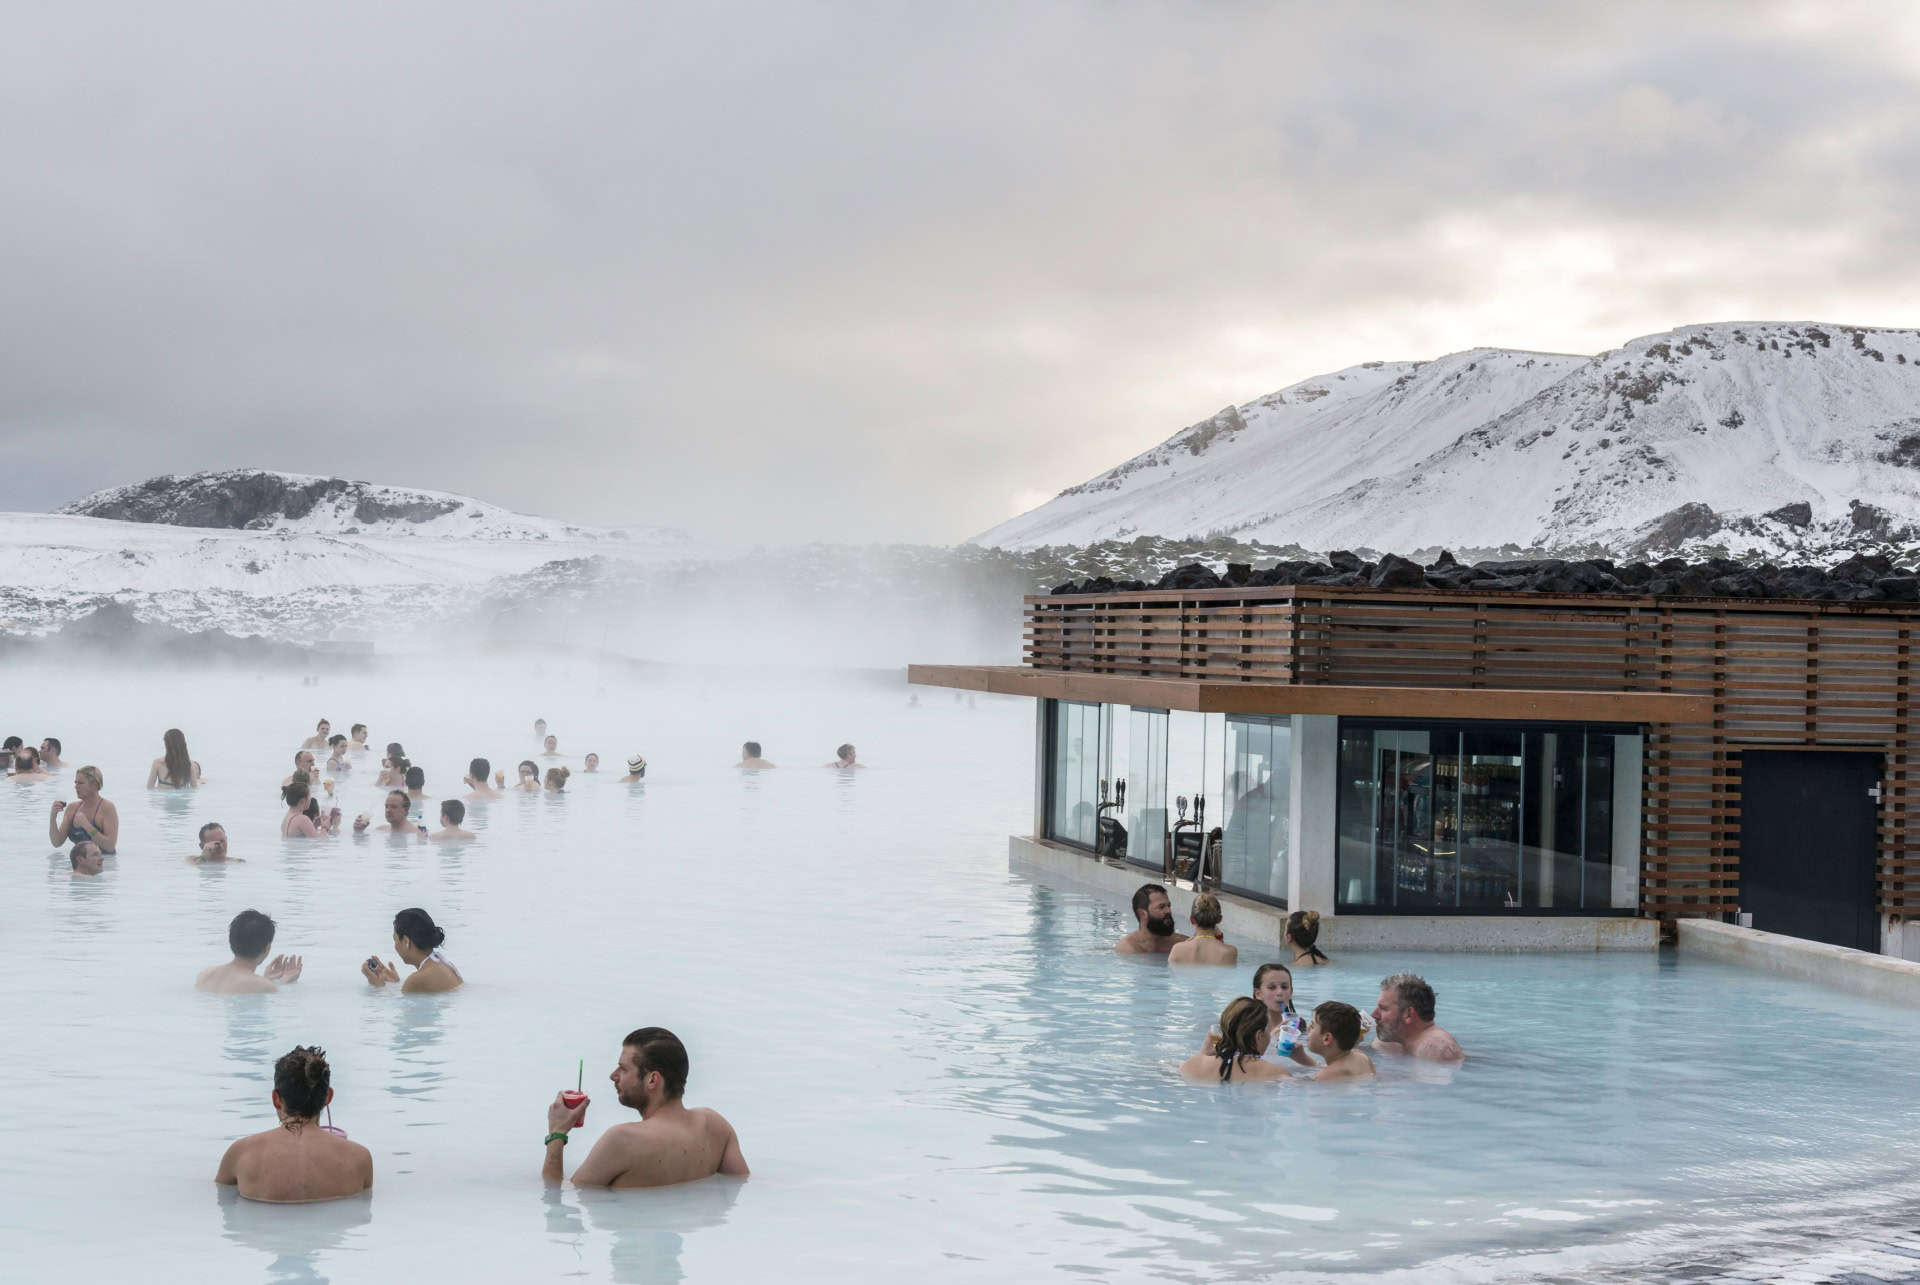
(539, 729)
(550, 748)
(50, 752)
(1155, 935)
(359, 742)
(302, 762)
(670, 1143)
(1403, 1021)
(750, 756)
(452, 813)
(86, 860)
(213, 846)
(478, 773)
(250, 936)
(299, 1160)
(395, 809)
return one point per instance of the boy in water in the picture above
(452, 813)
(359, 743)
(1331, 1036)
(299, 1160)
(250, 936)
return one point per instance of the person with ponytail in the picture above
(1303, 929)
(299, 1160)
(1238, 1053)
(416, 939)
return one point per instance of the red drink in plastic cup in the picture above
(571, 1098)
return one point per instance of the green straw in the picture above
(580, 1079)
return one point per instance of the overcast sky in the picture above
(880, 272)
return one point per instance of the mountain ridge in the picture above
(1743, 439)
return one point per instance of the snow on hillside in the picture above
(1790, 440)
(261, 500)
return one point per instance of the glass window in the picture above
(1258, 797)
(1074, 762)
(1476, 817)
(1147, 787)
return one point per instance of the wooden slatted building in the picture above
(1727, 702)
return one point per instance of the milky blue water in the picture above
(936, 1067)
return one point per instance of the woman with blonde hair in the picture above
(1207, 945)
(1303, 929)
(93, 818)
(1237, 1054)
(175, 769)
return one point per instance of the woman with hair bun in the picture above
(416, 939)
(1303, 929)
(557, 779)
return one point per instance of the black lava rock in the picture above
(1397, 573)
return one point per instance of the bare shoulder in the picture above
(712, 1121)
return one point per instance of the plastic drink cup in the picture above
(571, 1098)
(499, 778)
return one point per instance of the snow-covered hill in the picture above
(260, 500)
(1791, 440)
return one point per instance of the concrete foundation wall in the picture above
(1858, 972)
(1255, 926)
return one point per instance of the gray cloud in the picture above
(859, 272)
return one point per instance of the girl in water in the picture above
(557, 779)
(416, 939)
(1303, 929)
(529, 776)
(174, 769)
(92, 819)
(299, 823)
(1236, 1055)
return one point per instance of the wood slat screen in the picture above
(1781, 675)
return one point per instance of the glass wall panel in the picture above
(1147, 787)
(1258, 792)
(1076, 755)
(1475, 816)
(1193, 776)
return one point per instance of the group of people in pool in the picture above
(1260, 1036)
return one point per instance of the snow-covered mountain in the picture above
(260, 500)
(1791, 440)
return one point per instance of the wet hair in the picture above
(401, 795)
(751, 750)
(845, 751)
(1143, 894)
(211, 825)
(416, 778)
(655, 1048)
(26, 755)
(479, 770)
(303, 1079)
(296, 790)
(1260, 975)
(92, 773)
(1411, 991)
(393, 750)
(1304, 927)
(1342, 1021)
(358, 727)
(84, 848)
(12, 743)
(417, 926)
(528, 765)
(1240, 1025)
(55, 742)
(1206, 911)
(402, 765)
(336, 740)
(179, 766)
(453, 810)
(557, 778)
(250, 935)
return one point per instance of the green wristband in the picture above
(551, 1136)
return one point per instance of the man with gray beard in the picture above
(1156, 934)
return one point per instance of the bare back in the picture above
(1204, 950)
(231, 979)
(1206, 1066)
(672, 1146)
(296, 1165)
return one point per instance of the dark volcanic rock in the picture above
(1444, 561)
(1397, 573)
(1343, 561)
(1899, 588)
(1688, 522)
(1239, 574)
(245, 500)
(1799, 513)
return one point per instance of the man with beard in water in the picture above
(669, 1144)
(1403, 1021)
(1155, 935)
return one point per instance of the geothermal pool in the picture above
(935, 1066)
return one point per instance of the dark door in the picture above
(1809, 846)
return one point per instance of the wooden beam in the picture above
(1216, 697)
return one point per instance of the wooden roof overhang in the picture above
(1217, 697)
